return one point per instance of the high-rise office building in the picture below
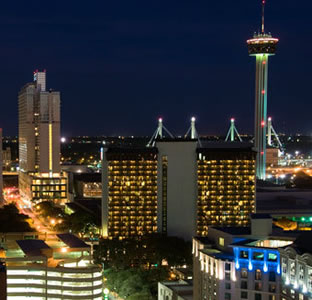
(178, 188)
(40, 175)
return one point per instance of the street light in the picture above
(106, 292)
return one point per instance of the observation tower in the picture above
(262, 45)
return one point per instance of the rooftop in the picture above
(32, 247)
(72, 241)
(264, 243)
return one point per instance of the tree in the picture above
(303, 181)
(145, 252)
(12, 221)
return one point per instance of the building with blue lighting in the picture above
(260, 262)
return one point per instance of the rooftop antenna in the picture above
(271, 131)
(158, 133)
(262, 25)
(193, 131)
(231, 133)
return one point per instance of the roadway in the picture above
(24, 206)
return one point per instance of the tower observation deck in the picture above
(262, 45)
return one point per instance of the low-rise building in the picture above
(255, 263)
(296, 269)
(60, 268)
(175, 290)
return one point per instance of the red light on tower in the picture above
(263, 92)
(262, 123)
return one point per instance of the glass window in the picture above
(272, 276)
(258, 274)
(227, 296)
(272, 257)
(257, 296)
(244, 284)
(272, 288)
(272, 297)
(257, 255)
(227, 267)
(243, 254)
(227, 286)
(227, 276)
(258, 286)
(221, 241)
(244, 295)
(244, 273)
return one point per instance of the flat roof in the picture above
(72, 241)
(32, 247)
(214, 145)
(272, 243)
(235, 230)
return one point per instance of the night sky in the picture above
(119, 65)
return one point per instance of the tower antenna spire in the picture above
(262, 26)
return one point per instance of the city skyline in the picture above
(133, 64)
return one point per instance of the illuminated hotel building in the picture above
(226, 187)
(243, 263)
(130, 193)
(40, 176)
(177, 188)
(59, 268)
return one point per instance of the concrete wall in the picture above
(181, 187)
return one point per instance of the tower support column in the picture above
(261, 113)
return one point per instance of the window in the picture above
(301, 272)
(272, 288)
(227, 286)
(258, 286)
(284, 265)
(292, 271)
(221, 241)
(257, 256)
(258, 274)
(310, 279)
(301, 297)
(272, 276)
(244, 273)
(292, 294)
(227, 267)
(272, 257)
(243, 254)
(244, 295)
(227, 296)
(244, 284)
(257, 296)
(227, 276)
(272, 297)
